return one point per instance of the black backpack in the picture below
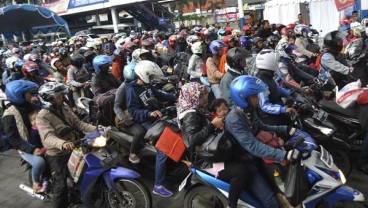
(104, 104)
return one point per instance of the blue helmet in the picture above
(245, 86)
(100, 60)
(128, 71)
(18, 65)
(15, 90)
(222, 32)
(243, 41)
(215, 45)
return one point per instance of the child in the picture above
(35, 139)
(219, 108)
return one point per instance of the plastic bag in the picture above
(296, 184)
(348, 95)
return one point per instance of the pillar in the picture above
(115, 19)
(241, 13)
(97, 17)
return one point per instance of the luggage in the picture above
(104, 104)
(171, 144)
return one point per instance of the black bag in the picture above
(217, 148)
(296, 184)
(105, 105)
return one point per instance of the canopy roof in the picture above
(15, 19)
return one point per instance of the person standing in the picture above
(300, 20)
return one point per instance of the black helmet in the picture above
(355, 52)
(334, 41)
(235, 57)
(272, 41)
(77, 60)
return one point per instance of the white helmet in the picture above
(197, 47)
(48, 91)
(236, 32)
(267, 59)
(358, 31)
(299, 29)
(138, 52)
(365, 22)
(52, 63)
(148, 70)
(191, 39)
(90, 44)
(27, 57)
(10, 61)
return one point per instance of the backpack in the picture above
(181, 61)
(104, 104)
(318, 62)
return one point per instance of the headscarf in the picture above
(188, 98)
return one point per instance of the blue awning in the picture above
(15, 19)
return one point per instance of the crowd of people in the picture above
(243, 74)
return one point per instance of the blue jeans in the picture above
(216, 90)
(363, 159)
(38, 165)
(160, 168)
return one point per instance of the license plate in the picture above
(320, 115)
(110, 161)
(184, 182)
(326, 157)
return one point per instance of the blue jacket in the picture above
(243, 130)
(136, 101)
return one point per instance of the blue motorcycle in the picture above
(98, 180)
(325, 181)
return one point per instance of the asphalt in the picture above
(12, 174)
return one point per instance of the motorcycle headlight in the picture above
(342, 177)
(98, 141)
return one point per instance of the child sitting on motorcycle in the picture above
(138, 92)
(219, 109)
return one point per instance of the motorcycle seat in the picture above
(333, 106)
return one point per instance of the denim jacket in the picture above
(243, 130)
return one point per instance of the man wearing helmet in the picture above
(138, 92)
(57, 115)
(64, 57)
(301, 32)
(103, 80)
(243, 124)
(212, 65)
(30, 72)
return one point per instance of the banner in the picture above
(80, 3)
(57, 6)
(343, 4)
(220, 18)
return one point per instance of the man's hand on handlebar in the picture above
(156, 114)
(68, 146)
(290, 111)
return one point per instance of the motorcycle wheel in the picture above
(204, 197)
(133, 192)
(342, 161)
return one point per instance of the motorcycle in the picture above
(97, 180)
(325, 181)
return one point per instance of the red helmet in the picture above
(291, 26)
(29, 67)
(344, 21)
(247, 28)
(228, 30)
(228, 38)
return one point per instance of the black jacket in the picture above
(264, 33)
(267, 77)
(360, 71)
(103, 83)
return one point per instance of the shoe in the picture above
(133, 158)
(162, 191)
(36, 187)
(44, 186)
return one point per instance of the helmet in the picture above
(247, 28)
(285, 50)
(313, 33)
(146, 43)
(364, 22)
(128, 71)
(235, 57)
(354, 52)
(228, 38)
(301, 29)
(222, 32)
(15, 90)
(197, 29)
(101, 62)
(192, 39)
(197, 47)
(291, 26)
(236, 33)
(19, 64)
(29, 67)
(15, 50)
(119, 54)
(228, 30)
(215, 45)
(354, 25)
(243, 41)
(53, 61)
(130, 46)
(334, 40)
(244, 86)
(138, 52)
(77, 60)
(90, 44)
(267, 59)
(272, 41)
(147, 70)
(11, 61)
(50, 90)
(358, 31)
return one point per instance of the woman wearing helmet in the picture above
(236, 62)
(332, 72)
(301, 32)
(30, 72)
(195, 65)
(212, 65)
(273, 108)
(57, 115)
(103, 80)
(17, 126)
(59, 70)
(137, 94)
(78, 78)
(119, 61)
(244, 92)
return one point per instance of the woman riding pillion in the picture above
(17, 126)
(50, 120)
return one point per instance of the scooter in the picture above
(97, 178)
(325, 180)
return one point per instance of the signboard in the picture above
(80, 3)
(220, 18)
(343, 4)
(57, 6)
